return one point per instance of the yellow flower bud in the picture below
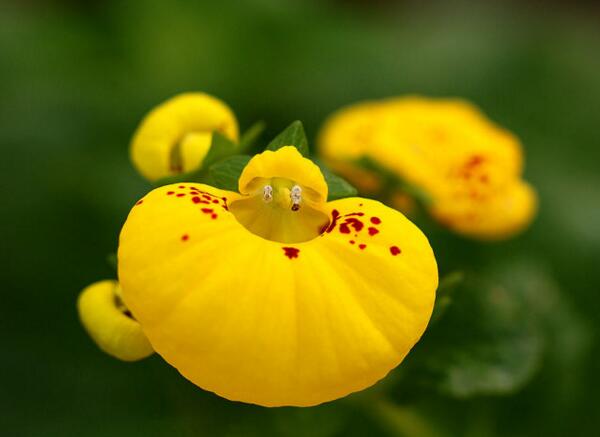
(109, 323)
(469, 168)
(176, 136)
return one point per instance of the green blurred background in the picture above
(76, 78)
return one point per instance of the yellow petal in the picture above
(285, 163)
(175, 136)
(445, 147)
(489, 217)
(115, 332)
(279, 218)
(271, 323)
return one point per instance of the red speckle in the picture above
(206, 196)
(182, 186)
(335, 215)
(207, 210)
(196, 199)
(344, 229)
(373, 231)
(170, 193)
(180, 194)
(352, 241)
(359, 214)
(395, 250)
(139, 202)
(362, 246)
(360, 204)
(375, 220)
(291, 252)
(474, 161)
(185, 237)
(213, 216)
(215, 201)
(355, 223)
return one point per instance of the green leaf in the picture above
(487, 343)
(221, 147)
(251, 135)
(225, 174)
(338, 188)
(293, 135)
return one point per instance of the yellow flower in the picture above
(469, 168)
(108, 322)
(176, 136)
(273, 295)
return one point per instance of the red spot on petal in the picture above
(375, 220)
(207, 210)
(335, 215)
(373, 231)
(291, 252)
(196, 199)
(362, 246)
(139, 202)
(180, 194)
(182, 186)
(185, 237)
(395, 250)
(344, 229)
(355, 223)
(213, 216)
(352, 241)
(170, 193)
(215, 201)
(360, 204)
(475, 161)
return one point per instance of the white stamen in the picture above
(268, 193)
(296, 196)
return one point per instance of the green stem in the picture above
(401, 420)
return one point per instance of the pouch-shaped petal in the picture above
(273, 323)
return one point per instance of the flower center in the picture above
(280, 209)
(283, 197)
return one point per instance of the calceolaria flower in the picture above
(468, 168)
(273, 295)
(175, 137)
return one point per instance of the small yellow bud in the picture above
(109, 323)
(176, 135)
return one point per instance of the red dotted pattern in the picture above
(199, 198)
(354, 223)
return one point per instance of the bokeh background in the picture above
(75, 79)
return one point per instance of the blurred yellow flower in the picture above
(469, 168)
(275, 296)
(175, 137)
(109, 324)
